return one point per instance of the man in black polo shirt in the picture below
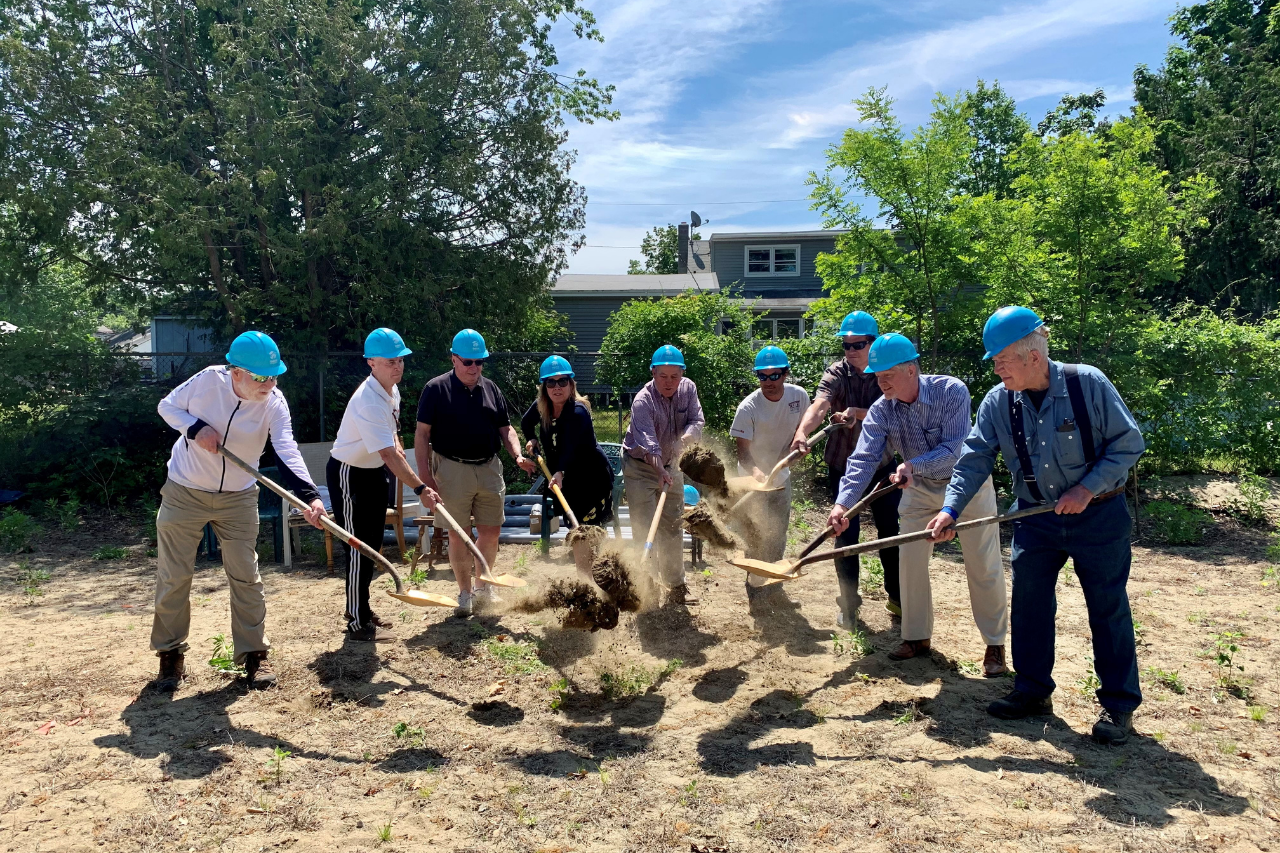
(462, 423)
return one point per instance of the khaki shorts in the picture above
(471, 490)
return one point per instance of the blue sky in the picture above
(736, 100)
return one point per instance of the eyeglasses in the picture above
(856, 346)
(769, 377)
(256, 378)
(562, 382)
(470, 362)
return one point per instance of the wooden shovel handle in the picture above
(786, 461)
(849, 513)
(653, 525)
(891, 541)
(555, 490)
(328, 523)
(471, 545)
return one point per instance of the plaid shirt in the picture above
(928, 433)
(658, 424)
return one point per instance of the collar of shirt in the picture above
(1057, 385)
(376, 387)
(462, 386)
(925, 399)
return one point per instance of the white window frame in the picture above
(773, 327)
(772, 249)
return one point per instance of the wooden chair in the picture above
(316, 457)
(407, 504)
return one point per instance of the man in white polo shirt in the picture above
(763, 428)
(367, 447)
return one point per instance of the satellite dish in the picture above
(694, 219)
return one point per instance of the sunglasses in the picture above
(471, 362)
(259, 379)
(856, 345)
(562, 382)
(769, 377)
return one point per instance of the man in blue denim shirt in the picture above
(1090, 525)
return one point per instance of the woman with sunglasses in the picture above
(560, 424)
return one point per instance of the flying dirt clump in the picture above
(589, 533)
(583, 608)
(702, 465)
(613, 578)
(700, 522)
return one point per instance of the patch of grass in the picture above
(969, 667)
(110, 552)
(1195, 727)
(521, 566)
(635, 679)
(1175, 524)
(223, 658)
(31, 579)
(417, 575)
(1257, 713)
(872, 573)
(1227, 747)
(1270, 574)
(907, 717)
(1089, 682)
(854, 643)
(1158, 737)
(1171, 680)
(384, 833)
(17, 529)
(1251, 506)
(517, 658)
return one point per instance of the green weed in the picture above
(1257, 713)
(110, 552)
(635, 679)
(275, 764)
(1175, 524)
(223, 658)
(1251, 506)
(1158, 737)
(31, 579)
(1088, 683)
(417, 575)
(519, 658)
(852, 643)
(384, 833)
(872, 573)
(690, 792)
(969, 667)
(413, 734)
(1171, 680)
(17, 529)
(558, 691)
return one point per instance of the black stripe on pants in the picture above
(359, 498)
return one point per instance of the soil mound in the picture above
(702, 465)
(700, 522)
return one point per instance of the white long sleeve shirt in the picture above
(208, 399)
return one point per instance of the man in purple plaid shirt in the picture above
(665, 416)
(925, 419)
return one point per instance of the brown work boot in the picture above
(680, 595)
(910, 649)
(379, 621)
(993, 665)
(257, 671)
(173, 671)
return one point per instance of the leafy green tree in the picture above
(1075, 114)
(1216, 105)
(314, 168)
(720, 364)
(904, 263)
(997, 129)
(661, 250)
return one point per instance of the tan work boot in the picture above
(258, 671)
(173, 671)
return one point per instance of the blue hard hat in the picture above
(772, 358)
(469, 344)
(1009, 324)
(889, 351)
(555, 366)
(385, 343)
(666, 354)
(256, 353)
(858, 323)
(691, 496)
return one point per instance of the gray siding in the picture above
(588, 318)
(727, 261)
(180, 334)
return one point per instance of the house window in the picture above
(764, 261)
(771, 329)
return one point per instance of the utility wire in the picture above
(692, 204)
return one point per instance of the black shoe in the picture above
(1017, 705)
(257, 671)
(173, 671)
(1112, 729)
(372, 634)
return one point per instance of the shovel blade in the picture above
(778, 571)
(739, 485)
(505, 580)
(424, 599)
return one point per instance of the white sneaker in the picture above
(464, 605)
(487, 595)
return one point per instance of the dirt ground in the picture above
(707, 728)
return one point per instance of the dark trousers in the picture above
(1097, 541)
(359, 497)
(884, 512)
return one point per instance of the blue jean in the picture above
(1097, 541)
(884, 512)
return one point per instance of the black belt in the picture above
(484, 461)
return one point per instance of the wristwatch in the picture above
(419, 489)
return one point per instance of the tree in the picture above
(997, 129)
(1075, 114)
(1215, 103)
(661, 250)
(720, 364)
(314, 168)
(905, 263)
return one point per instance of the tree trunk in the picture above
(215, 272)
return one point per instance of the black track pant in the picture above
(359, 497)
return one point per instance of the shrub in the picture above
(16, 530)
(1251, 506)
(1175, 524)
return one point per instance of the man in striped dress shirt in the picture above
(925, 419)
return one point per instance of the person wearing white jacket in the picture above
(239, 405)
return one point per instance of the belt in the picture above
(1119, 490)
(484, 461)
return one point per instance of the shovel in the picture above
(785, 567)
(653, 525)
(751, 484)
(769, 570)
(498, 580)
(412, 596)
(582, 548)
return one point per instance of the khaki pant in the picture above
(179, 526)
(642, 488)
(471, 491)
(765, 517)
(981, 549)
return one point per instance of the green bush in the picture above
(1175, 524)
(16, 530)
